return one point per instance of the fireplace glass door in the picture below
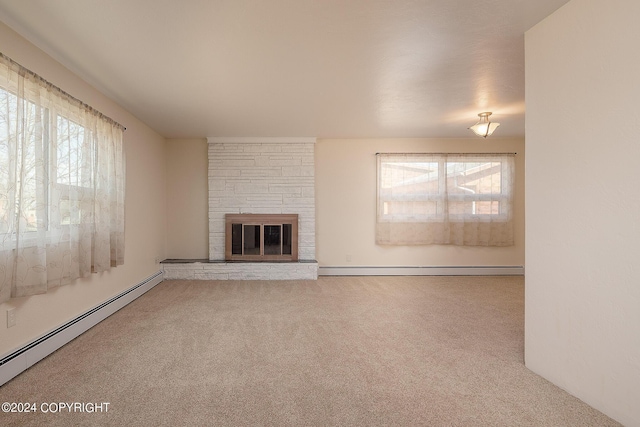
(252, 239)
(261, 237)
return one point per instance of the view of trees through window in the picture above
(60, 146)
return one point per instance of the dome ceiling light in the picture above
(484, 127)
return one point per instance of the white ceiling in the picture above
(325, 68)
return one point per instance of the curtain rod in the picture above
(489, 154)
(62, 92)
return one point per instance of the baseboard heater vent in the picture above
(19, 360)
(509, 270)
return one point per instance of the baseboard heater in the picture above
(19, 360)
(509, 270)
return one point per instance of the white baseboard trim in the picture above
(21, 359)
(510, 270)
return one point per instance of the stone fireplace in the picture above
(262, 176)
(258, 176)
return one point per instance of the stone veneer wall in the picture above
(241, 271)
(262, 175)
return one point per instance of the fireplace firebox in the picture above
(261, 237)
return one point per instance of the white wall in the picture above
(187, 208)
(145, 209)
(582, 298)
(346, 205)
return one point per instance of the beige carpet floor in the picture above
(342, 351)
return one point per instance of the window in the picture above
(61, 186)
(72, 171)
(461, 199)
(14, 155)
(55, 162)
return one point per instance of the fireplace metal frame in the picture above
(261, 220)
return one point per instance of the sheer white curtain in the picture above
(61, 186)
(456, 199)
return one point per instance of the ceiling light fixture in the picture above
(484, 127)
